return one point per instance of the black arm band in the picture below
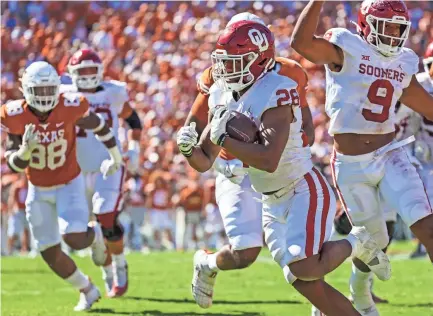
(134, 121)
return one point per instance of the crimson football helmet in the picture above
(373, 18)
(245, 50)
(428, 58)
(85, 58)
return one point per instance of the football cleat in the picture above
(368, 252)
(120, 277)
(88, 299)
(203, 281)
(98, 247)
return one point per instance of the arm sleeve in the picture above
(76, 106)
(134, 121)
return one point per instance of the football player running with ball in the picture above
(237, 201)
(42, 142)
(366, 74)
(298, 205)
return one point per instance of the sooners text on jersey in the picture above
(361, 97)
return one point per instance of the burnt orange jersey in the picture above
(54, 161)
(191, 199)
(287, 67)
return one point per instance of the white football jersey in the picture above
(361, 97)
(107, 101)
(270, 91)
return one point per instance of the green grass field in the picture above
(160, 285)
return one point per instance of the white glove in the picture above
(187, 138)
(110, 166)
(133, 156)
(232, 169)
(218, 131)
(29, 142)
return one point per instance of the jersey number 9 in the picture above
(380, 93)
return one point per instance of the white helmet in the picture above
(40, 86)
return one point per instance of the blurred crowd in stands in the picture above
(160, 49)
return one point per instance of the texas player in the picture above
(298, 207)
(237, 201)
(366, 74)
(110, 99)
(42, 142)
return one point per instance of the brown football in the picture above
(242, 128)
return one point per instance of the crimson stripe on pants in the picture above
(119, 198)
(340, 195)
(311, 216)
(326, 204)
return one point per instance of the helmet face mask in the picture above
(40, 86)
(232, 72)
(386, 44)
(86, 59)
(385, 25)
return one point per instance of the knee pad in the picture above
(342, 224)
(111, 228)
(378, 230)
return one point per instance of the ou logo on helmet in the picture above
(258, 39)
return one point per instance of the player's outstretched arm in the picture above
(200, 108)
(201, 155)
(419, 100)
(97, 124)
(134, 134)
(198, 113)
(274, 133)
(313, 48)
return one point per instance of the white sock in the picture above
(119, 260)
(107, 272)
(78, 280)
(212, 262)
(360, 288)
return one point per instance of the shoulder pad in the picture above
(71, 99)
(344, 39)
(14, 107)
